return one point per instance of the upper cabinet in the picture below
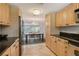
(66, 17)
(4, 14)
(8, 13)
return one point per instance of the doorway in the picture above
(31, 32)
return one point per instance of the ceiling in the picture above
(26, 8)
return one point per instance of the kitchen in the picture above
(61, 33)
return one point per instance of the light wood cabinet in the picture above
(66, 17)
(48, 42)
(59, 19)
(62, 46)
(71, 19)
(53, 44)
(4, 14)
(15, 49)
(70, 50)
(59, 46)
(6, 53)
(47, 29)
(8, 13)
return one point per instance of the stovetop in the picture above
(70, 35)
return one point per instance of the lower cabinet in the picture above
(48, 41)
(73, 50)
(60, 46)
(6, 53)
(70, 50)
(53, 44)
(13, 50)
(17, 48)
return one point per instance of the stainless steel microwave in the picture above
(77, 15)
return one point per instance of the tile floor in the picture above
(39, 49)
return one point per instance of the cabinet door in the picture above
(75, 5)
(58, 51)
(58, 19)
(64, 17)
(71, 15)
(61, 18)
(1, 13)
(13, 49)
(48, 42)
(70, 50)
(61, 47)
(6, 53)
(66, 46)
(17, 48)
(4, 14)
(53, 44)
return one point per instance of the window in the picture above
(31, 28)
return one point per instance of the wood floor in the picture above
(36, 50)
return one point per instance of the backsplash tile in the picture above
(73, 29)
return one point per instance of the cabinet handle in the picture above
(14, 46)
(65, 51)
(0, 21)
(7, 55)
(55, 41)
(66, 42)
(67, 24)
(58, 39)
(65, 46)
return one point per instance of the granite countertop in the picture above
(5, 44)
(71, 41)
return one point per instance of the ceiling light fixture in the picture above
(36, 12)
